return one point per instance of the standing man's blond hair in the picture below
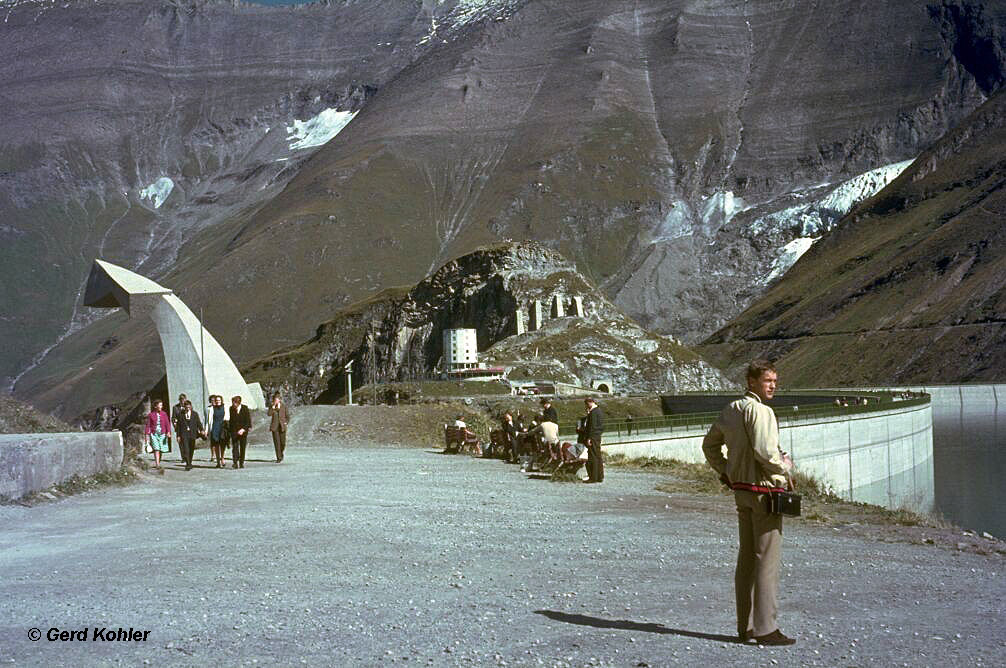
(754, 467)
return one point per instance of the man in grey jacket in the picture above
(754, 467)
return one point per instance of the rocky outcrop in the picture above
(909, 287)
(398, 334)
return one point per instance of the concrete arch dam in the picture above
(882, 456)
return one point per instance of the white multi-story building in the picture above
(461, 351)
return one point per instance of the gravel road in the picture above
(353, 554)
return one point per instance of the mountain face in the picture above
(909, 287)
(132, 128)
(397, 335)
(674, 150)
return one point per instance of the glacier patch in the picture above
(158, 191)
(715, 211)
(677, 223)
(318, 130)
(788, 256)
(720, 208)
(816, 217)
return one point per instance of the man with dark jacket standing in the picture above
(548, 412)
(188, 428)
(510, 434)
(594, 427)
(279, 417)
(240, 424)
(754, 467)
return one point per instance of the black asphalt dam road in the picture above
(353, 554)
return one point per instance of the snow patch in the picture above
(318, 130)
(158, 191)
(646, 345)
(788, 256)
(465, 12)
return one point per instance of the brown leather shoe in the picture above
(775, 639)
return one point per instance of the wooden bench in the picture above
(459, 440)
(497, 439)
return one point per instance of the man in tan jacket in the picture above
(754, 466)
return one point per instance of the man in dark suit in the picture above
(240, 424)
(548, 412)
(188, 428)
(279, 417)
(176, 414)
(594, 427)
(510, 434)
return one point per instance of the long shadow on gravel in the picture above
(629, 625)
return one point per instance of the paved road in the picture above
(351, 555)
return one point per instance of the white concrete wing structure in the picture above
(191, 354)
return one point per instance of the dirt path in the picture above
(351, 555)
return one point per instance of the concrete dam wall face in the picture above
(882, 457)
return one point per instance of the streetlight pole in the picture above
(349, 382)
(202, 365)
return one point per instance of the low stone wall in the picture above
(33, 462)
(883, 457)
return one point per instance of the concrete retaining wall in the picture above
(33, 462)
(965, 396)
(883, 457)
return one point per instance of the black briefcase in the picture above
(784, 503)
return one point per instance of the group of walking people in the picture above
(225, 427)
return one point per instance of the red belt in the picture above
(757, 489)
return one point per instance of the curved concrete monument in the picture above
(187, 355)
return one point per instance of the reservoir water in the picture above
(969, 455)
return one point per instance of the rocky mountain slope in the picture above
(909, 287)
(398, 334)
(657, 144)
(134, 128)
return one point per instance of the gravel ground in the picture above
(352, 554)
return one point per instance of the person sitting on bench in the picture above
(465, 438)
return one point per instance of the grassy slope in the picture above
(910, 286)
